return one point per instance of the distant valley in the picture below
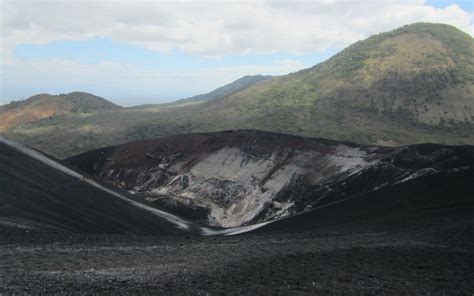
(412, 85)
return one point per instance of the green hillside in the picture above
(45, 106)
(418, 77)
(413, 84)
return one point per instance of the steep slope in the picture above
(411, 85)
(441, 203)
(39, 193)
(227, 89)
(44, 106)
(231, 179)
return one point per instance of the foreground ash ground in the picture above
(383, 221)
(384, 261)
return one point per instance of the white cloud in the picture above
(220, 27)
(197, 27)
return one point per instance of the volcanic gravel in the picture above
(438, 260)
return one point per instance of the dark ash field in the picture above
(64, 233)
(410, 260)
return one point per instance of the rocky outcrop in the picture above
(236, 178)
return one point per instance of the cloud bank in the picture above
(210, 29)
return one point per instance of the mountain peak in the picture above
(45, 105)
(79, 93)
(417, 77)
(428, 27)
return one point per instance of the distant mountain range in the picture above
(219, 92)
(414, 84)
(227, 89)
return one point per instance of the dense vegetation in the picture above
(414, 84)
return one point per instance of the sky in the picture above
(141, 52)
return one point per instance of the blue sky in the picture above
(467, 5)
(158, 52)
(98, 50)
(176, 63)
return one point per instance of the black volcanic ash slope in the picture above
(38, 192)
(230, 179)
(442, 203)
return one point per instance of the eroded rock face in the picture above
(231, 179)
